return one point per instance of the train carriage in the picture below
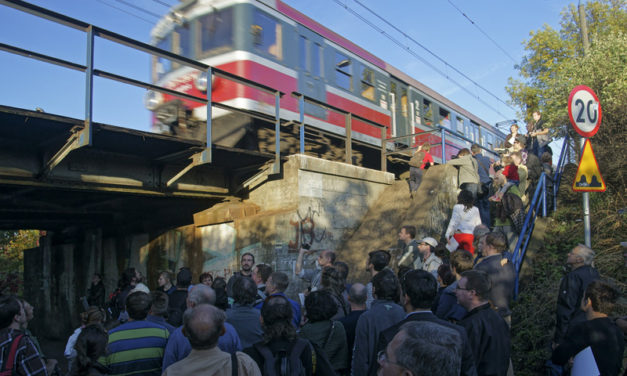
(273, 44)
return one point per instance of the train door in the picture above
(310, 69)
(399, 106)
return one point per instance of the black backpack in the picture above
(286, 361)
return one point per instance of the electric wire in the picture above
(482, 32)
(430, 52)
(162, 3)
(127, 12)
(416, 55)
(157, 16)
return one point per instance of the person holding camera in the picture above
(325, 258)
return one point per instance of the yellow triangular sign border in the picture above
(586, 155)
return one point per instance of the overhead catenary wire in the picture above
(482, 32)
(157, 16)
(162, 3)
(429, 51)
(127, 12)
(416, 55)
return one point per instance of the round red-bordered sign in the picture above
(584, 111)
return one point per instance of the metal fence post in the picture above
(543, 182)
(384, 161)
(85, 139)
(209, 140)
(301, 106)
(349, 138)
(277, 133)
(443, 135)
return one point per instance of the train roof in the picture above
(359, 51)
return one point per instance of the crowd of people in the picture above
(439, 308)
(420, 319)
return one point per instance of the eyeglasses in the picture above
(462, 288)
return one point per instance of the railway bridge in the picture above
(110, 197)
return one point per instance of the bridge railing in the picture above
(348, 126)
(443, 133)
(85, 136)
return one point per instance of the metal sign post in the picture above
(584, 111)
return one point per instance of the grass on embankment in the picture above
(534, 311)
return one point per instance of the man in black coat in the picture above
(488, 333)
(572, 288)
(500, 272)
(420, 289)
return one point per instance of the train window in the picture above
(460, 125)
(417, 108)
(182, 41)
(427, 112)
(343, 76)
(404, 106)
(163, 65)
(216, 31)
(367, 83)
(475, 131)
(316, 53)
(267, 35)
(445, 118)
(302, 49)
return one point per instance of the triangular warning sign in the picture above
(588, 177)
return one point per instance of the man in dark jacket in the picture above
(488, 333)
(572, 288)
(485, 181)
(383, 313)
(500, 273)
(420, 288)
(242, 315)
(177, 301)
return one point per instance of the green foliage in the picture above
(555, 61)
(12, 246)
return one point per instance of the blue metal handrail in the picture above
(538, 203)
(539, 198)
(557, 177)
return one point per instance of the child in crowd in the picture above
(510, 171)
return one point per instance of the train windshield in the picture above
(163, 66)
(216, 32)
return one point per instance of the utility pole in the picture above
(586, 195)
(583, 28)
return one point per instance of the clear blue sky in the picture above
(436, 24)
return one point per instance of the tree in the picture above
(12, 247)
(556, 62)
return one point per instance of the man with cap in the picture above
(428, 260)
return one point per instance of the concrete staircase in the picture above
(429, 211)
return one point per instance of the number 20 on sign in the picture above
(584, 110)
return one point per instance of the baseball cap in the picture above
(428, 240)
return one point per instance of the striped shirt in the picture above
(136, 347)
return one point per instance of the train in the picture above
(271, 43)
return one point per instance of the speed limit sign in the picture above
(584, 110)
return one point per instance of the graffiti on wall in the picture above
(305, 232)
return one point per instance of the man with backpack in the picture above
(281, 352)
(20, 354)
(203, 325)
